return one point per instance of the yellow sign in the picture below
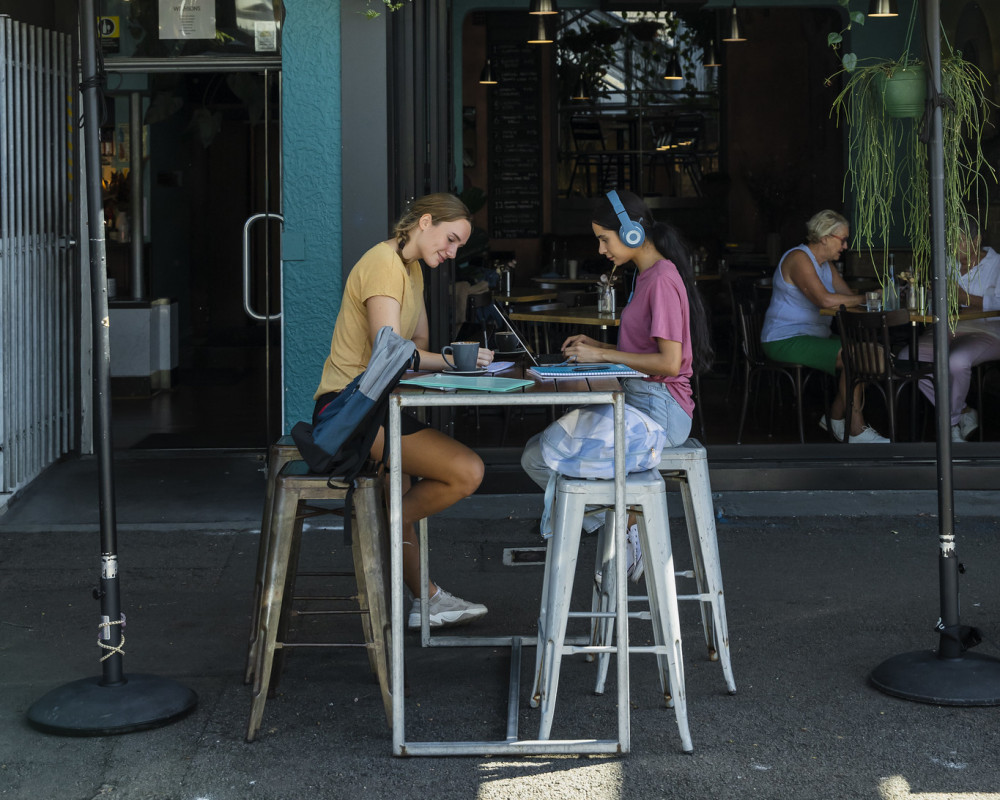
(108, 27)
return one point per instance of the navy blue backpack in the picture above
(340, 441)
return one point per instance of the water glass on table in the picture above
(873, 300)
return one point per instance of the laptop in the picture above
(537, 359)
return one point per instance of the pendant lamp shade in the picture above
(735, 34)
(709, 58)
(673, 71)
(538, 34)
(487, 76)
(580, 92)
(543, 7)
(883, 8)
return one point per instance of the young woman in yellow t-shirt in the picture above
(386, 287)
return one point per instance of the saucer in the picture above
(450, 371)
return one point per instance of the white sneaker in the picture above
(967, 423)
(834, 426)
(635, 566)
(445, 610)
(956, 433)
(868, 436)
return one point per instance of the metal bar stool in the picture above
(279, 454)
(644, 489)
(688, 465)
(294, 485)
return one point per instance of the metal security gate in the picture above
(38, 274)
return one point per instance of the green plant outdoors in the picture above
(888, 157)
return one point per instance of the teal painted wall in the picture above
(311, 146)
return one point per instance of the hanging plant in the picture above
(888, 158)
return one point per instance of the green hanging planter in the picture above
(904, 92)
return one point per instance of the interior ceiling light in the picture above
(538, 35)
(486, 76)
(709, 57)
(543, 7)
(673, 72)
(883, 8)
(735, 34)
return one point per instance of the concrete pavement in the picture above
(821, 587)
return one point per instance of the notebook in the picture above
(586, 371)
(484, 383)
(537, 360)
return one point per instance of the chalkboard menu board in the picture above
(515, 140)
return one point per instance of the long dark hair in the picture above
(669, 242)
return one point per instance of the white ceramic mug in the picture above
(465, 355)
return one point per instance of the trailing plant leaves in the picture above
(886, 155)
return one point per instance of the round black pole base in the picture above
(971, 680)
(86, 708)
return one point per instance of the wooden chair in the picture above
(868, 359)
(750, 319)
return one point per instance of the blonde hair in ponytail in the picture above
(442, 207)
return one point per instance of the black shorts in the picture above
(407, 422)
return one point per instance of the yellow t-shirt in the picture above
(380, 272)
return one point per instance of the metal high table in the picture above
(542, 393)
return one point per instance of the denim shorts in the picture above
(654, 400)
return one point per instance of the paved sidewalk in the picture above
(815, 601)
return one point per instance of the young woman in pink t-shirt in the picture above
(664, 328)
(663, 332)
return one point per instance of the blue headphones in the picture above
(631, 233)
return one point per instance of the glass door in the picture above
(210, 161)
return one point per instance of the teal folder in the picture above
(485, 383)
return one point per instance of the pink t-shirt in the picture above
(659, 310)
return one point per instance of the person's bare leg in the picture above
(448, 471)
(838, 408)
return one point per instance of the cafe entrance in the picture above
(209, 260)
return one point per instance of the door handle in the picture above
(246, 265)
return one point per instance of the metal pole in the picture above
(100, 328)
(949, 675)
(112, 703)
(949, 646)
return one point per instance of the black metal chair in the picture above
(750, 320)
(869, 360)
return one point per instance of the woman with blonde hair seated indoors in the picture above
(795, 331)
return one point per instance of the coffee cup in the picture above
(464, 355)
(506, 342)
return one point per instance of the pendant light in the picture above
(580, 92)
(883, 8)
(486, 77)
(673, 71)
(543, 7)
(708, 56)
(735, 34)
(539, 35)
